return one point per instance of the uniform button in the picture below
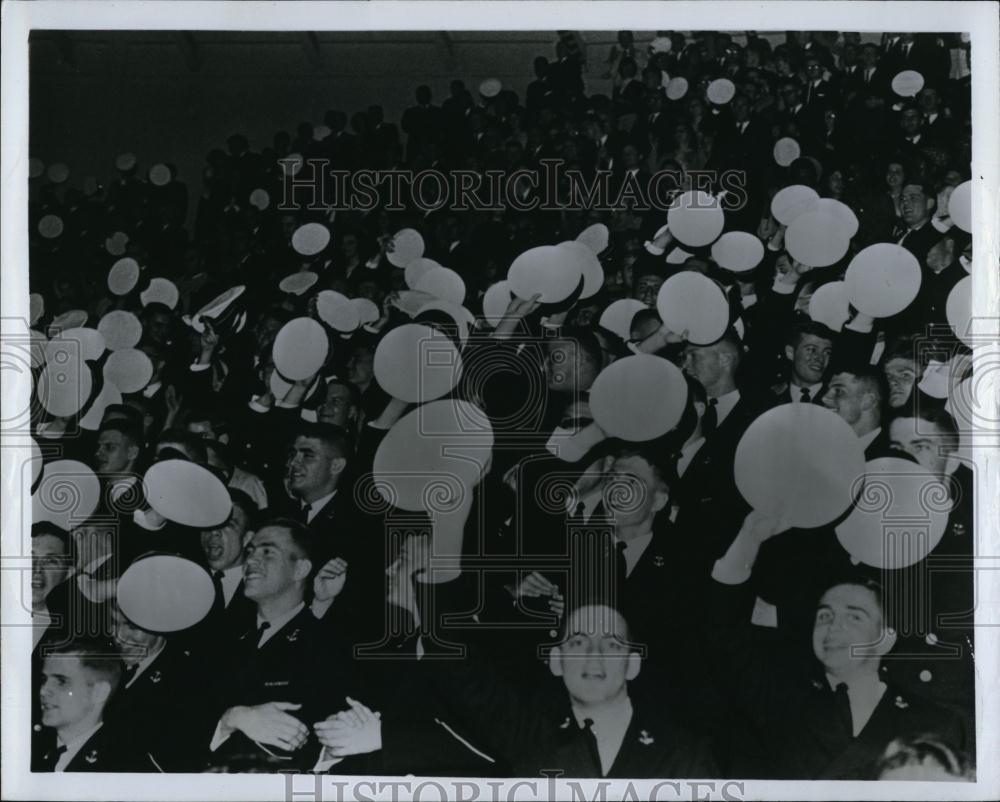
(552, 633)
(925, 676)
(931, 639)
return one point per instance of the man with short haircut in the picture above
(119, 446)
(316, 463)
(856, 394)
(223, 546)
(51, 564)
(831, 718)
(279, 676)
(808, 353)
(593, 726)
(341, 406)
(709, 500)
(79, 679)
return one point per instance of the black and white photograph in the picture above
(391, 395)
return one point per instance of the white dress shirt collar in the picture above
(317, 506)
(795, 391)
(276, 623)
(688, 452)
(724, 405)
(867, 439)
(231, 579)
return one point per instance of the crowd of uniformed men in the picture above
(699, 637)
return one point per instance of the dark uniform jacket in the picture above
(296, 664)
(104, 751)
(803, 729)
(530, 733)
(160, 710)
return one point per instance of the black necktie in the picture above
(304, 513)
(710, 420)
(261, 629)
(621, 566)
(220, 596)
(842, 704)
(52, 757)
(591, 739)
(805, 395)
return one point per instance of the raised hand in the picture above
(329, 582)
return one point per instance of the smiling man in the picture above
(830, 718)
(278, 672)
(808, 353)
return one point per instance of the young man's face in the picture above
(595, 661)
(647, 288)
(845, 396)
(223, 545)
(338, 407)
(703, 363)
(70, 692)
(48, 565)
(924, 441)
(810, 358)
(311, 466)
(114, 452)
(134, 642)
(901, 374)
(633, 491)
(361, 367)
(848, 616)
(915, 205)
(273, 564)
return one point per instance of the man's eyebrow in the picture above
(859, 609)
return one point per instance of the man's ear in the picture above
(634, 664)
(133, 453)
(303, 568)
(100, 692)
(224, 439)
(789, 353)
(660, 500)
(869, 401)
(337, 466)
(555, 661)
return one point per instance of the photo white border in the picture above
(18, 17)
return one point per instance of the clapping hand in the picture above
(269, 724)
(356, 731)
